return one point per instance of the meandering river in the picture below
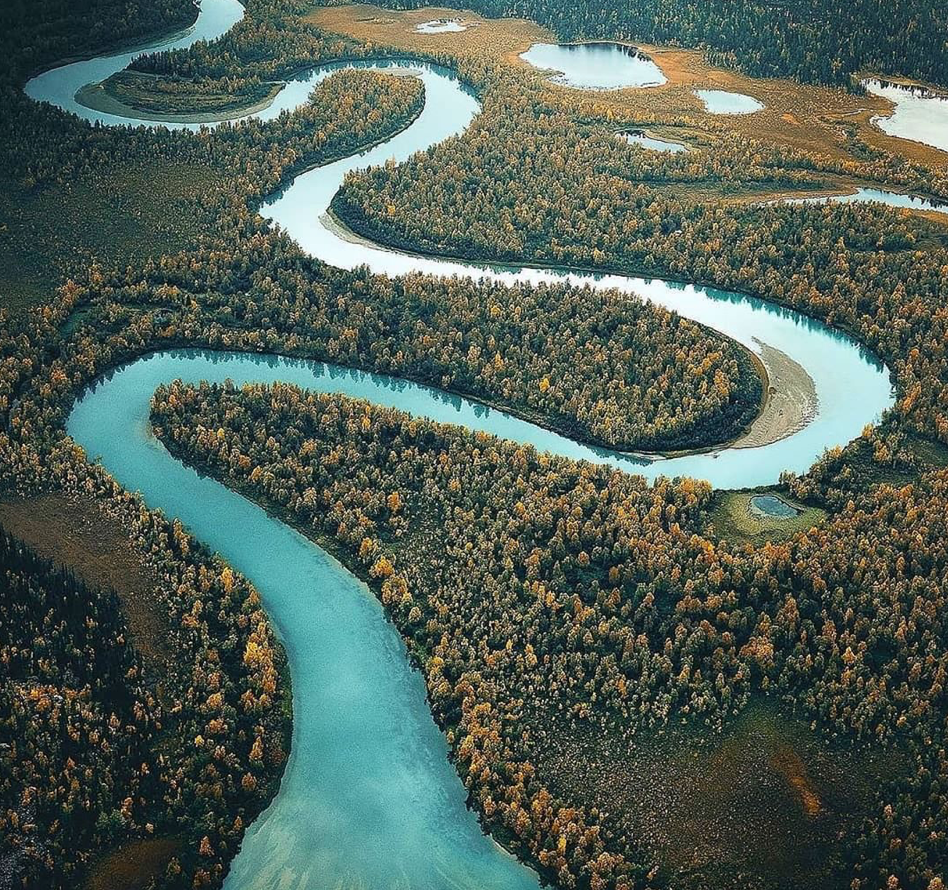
(369, 798)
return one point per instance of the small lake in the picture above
(441, 26)
(652, 143)
(595, 66)
(920, 114)
(724, 102)
(876, 196)
(770, 505)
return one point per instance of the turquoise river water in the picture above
(369, 798)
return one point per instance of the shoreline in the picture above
(115, 47)
(97, 97)
(781, 414)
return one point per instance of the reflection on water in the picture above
(59, 86)
(920, 114)
(724, 102)
(876, 196)
(595, 66)
(369, 798)
(654, 143)
(770, 505)
(441, 26)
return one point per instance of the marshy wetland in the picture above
(763, 803)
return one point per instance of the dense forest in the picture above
(870, 270)
(66, 661)
(543, 599)
(815, 40)
(93, 754)
(534, 586)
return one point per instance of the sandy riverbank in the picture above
(790, 404)
(98, 98)
(790, 400)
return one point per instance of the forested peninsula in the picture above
(634, 692)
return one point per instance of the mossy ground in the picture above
(133, 866)
(78, 535)
(763, 804)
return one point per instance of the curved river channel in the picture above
(369, 798)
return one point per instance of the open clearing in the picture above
(734, 519)
(113, 216)
(805, 117)
(134, 865)
(761, 804)
(76, 534)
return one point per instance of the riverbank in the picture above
(139, 95)
(789, 399)
(102, 98)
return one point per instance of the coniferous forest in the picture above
(641, 673)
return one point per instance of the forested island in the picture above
(639, 679)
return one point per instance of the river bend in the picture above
(369, 798)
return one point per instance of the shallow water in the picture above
(773, 506)
(441, 26)
(655, 144)
(724, 102)
(920, 115)
(876, 196)
(369, 798)
(595, 66)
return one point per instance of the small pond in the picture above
(920, 114)
(771, 505)
(724, 102)
(441, 26)
(595, 66)
(655, 144)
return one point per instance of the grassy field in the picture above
(125, 215)
(806, 117)
(134, 865)
(78, 535)
(761, 804)
(734, 519)
(484, 38)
